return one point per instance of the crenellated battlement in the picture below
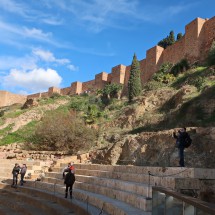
(194, 46)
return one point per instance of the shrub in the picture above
(153, 85)
(211, 55)
(60, 130)
(181, 66)
(109, 92)
(55, 95)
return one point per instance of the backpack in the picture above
(187, 141)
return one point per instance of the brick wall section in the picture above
(53, 90)
(194, 45)
(65, 91)
(88, 86)
(7, 98)
(101, 80)
(34, 96)
(118, 74)
(76, 88)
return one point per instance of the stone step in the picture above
(169, 182)
(46, 202)
(137, 201)
(138, 188)
(200, 173)
(132, 193)
(111, 206)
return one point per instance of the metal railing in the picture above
(168, 202)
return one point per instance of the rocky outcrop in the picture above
(158, 149)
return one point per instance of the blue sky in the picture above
(56, 42)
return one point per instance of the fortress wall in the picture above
(153, 62)
(88, 86)
(65, 91)
(118, 74)
(76, 88)
(208, 37)
(53, 90)
(192, 33)
(44, 95)
(175, 52)
(8, 98)
(101, 80)
(194, 45)
(34, 96)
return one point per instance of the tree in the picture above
(179, 36)
(211, 55)
(168, 41)
(134, 82)
(171, 38)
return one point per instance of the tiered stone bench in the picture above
(117, 190)
(129, 184)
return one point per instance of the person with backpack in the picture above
(22, 173)
(183, 141)
(69, 181)
(15, 173)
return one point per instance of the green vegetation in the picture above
(211, 55)
(180, 67)
(179, 36)
(20, 135)
(163, 75)
(60, 130)
(109, 92)
(134, 82)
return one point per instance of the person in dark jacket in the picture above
(69, 181)
(180, 143)
(15, 173)
(22, 173)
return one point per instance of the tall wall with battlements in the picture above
(194, 46)
(7, 98)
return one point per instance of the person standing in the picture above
(180, 144)
(15, 173)
(22, 173)
(69, 181)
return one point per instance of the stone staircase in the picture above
(114, 190)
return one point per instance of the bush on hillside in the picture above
(109, 92)
(62, 130)
(163, 75)
(211, 55)
(153, 85)
(180, 67)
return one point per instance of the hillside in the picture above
(120, 132)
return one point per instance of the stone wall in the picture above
(194, 46)
(7, 98)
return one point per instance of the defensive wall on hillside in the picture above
(194, 46)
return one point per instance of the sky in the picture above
(46, 43)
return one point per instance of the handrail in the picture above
(204, 206)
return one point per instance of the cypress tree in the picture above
(134, 82)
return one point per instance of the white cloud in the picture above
(36, 80)
(14, 7)
(36, 33)
(8, 62)
(48, 56)
(72, 67)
